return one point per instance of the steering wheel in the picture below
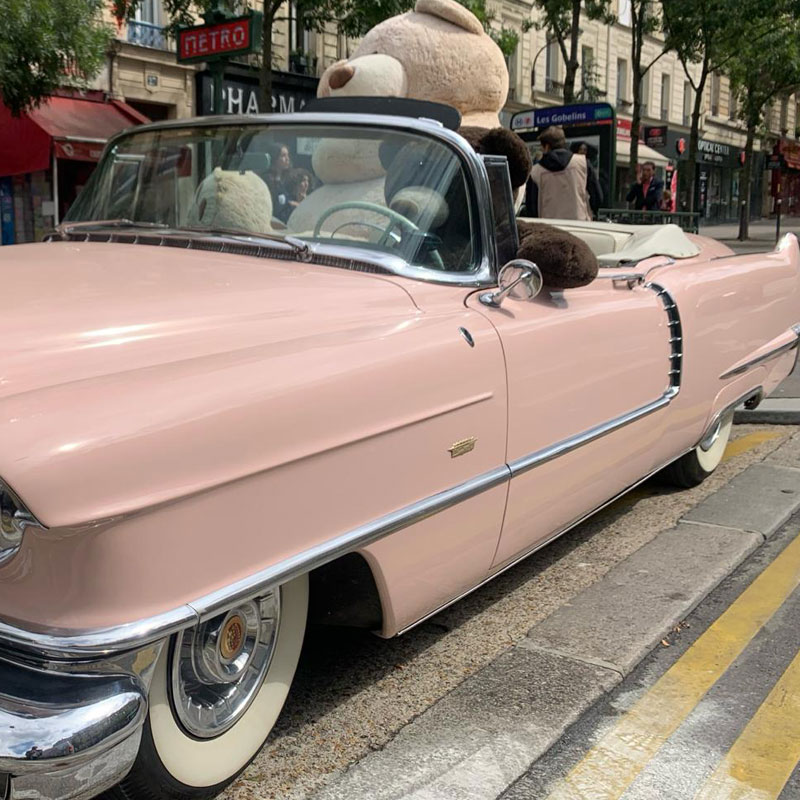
(394, 217)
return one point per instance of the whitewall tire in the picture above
(174, 763)
(695, 466)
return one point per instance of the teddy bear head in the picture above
(439, 51)
(233, 200)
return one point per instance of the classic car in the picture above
(213, 432)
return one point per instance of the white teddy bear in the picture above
(232, 200)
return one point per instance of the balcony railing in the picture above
(552, 86)
(147, 34)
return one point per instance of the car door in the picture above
(590, 372)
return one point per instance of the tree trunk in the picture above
(572, 63)
(747, 176)
(265, 74)
(694, 137)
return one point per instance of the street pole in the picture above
(217, 69)
(778, 211)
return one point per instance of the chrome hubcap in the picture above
(219, 666)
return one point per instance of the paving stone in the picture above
(618, 620)
(482, 736)
(759, 499)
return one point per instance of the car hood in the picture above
(112, 351)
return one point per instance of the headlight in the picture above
(14, 518)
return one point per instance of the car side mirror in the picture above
(519, 279)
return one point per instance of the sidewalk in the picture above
(762, 233)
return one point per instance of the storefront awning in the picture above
(645, 153)
(76, 127)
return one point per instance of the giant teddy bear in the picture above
(439, 52)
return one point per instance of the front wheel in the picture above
(216, 694)
(695, 466)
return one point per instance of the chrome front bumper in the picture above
(71, 732)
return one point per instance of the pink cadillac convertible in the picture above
(218, 424)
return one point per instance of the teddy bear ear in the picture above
(451, 11)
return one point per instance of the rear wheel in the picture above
(216, 693)
(695, 466)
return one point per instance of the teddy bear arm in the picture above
(565, 261)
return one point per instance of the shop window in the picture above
(666, 96)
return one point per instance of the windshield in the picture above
(389, 191)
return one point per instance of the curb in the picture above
(476, 741)
(772, 411)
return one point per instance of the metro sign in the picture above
(210, 42)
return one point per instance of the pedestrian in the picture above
(666, 200)
(279, 166)
(297, 184)
(563, 184)
(648, 192)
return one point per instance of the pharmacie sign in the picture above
(208, 42)
(240, 94)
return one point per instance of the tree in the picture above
(46, 44)
(507, 39)
(707, 33)
(353, 18)
(764, 67)
(561, 19)
(644, 20)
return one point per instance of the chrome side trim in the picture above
(102, 642)
(526, 463)
(539, 545)
(775, 351)
(299, 564)
(59, 643)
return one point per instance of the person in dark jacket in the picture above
(563, 184)
(648, 191)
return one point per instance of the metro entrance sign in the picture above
(204, 42)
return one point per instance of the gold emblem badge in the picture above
(462, 446)
(232, 637)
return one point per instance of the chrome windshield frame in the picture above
(477, 179)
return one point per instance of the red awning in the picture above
(76, 126)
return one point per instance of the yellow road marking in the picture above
(610, 767)
(748, 442)
(768, 749)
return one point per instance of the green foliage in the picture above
(507, 39)
(46, 44)
(766, 65)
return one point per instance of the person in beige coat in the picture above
(563, 184)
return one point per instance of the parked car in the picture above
(205, 426)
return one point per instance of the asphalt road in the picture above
(353, 692)
(712, 714)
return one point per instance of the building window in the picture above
(733, 107)
(589, 78)
(302, 59)
(551, 83)
(146, 26)
(622, 83)
(644, 93)
(714, 94)
(666, 97)
(784, 116)
(624, 12)
(687, 103)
